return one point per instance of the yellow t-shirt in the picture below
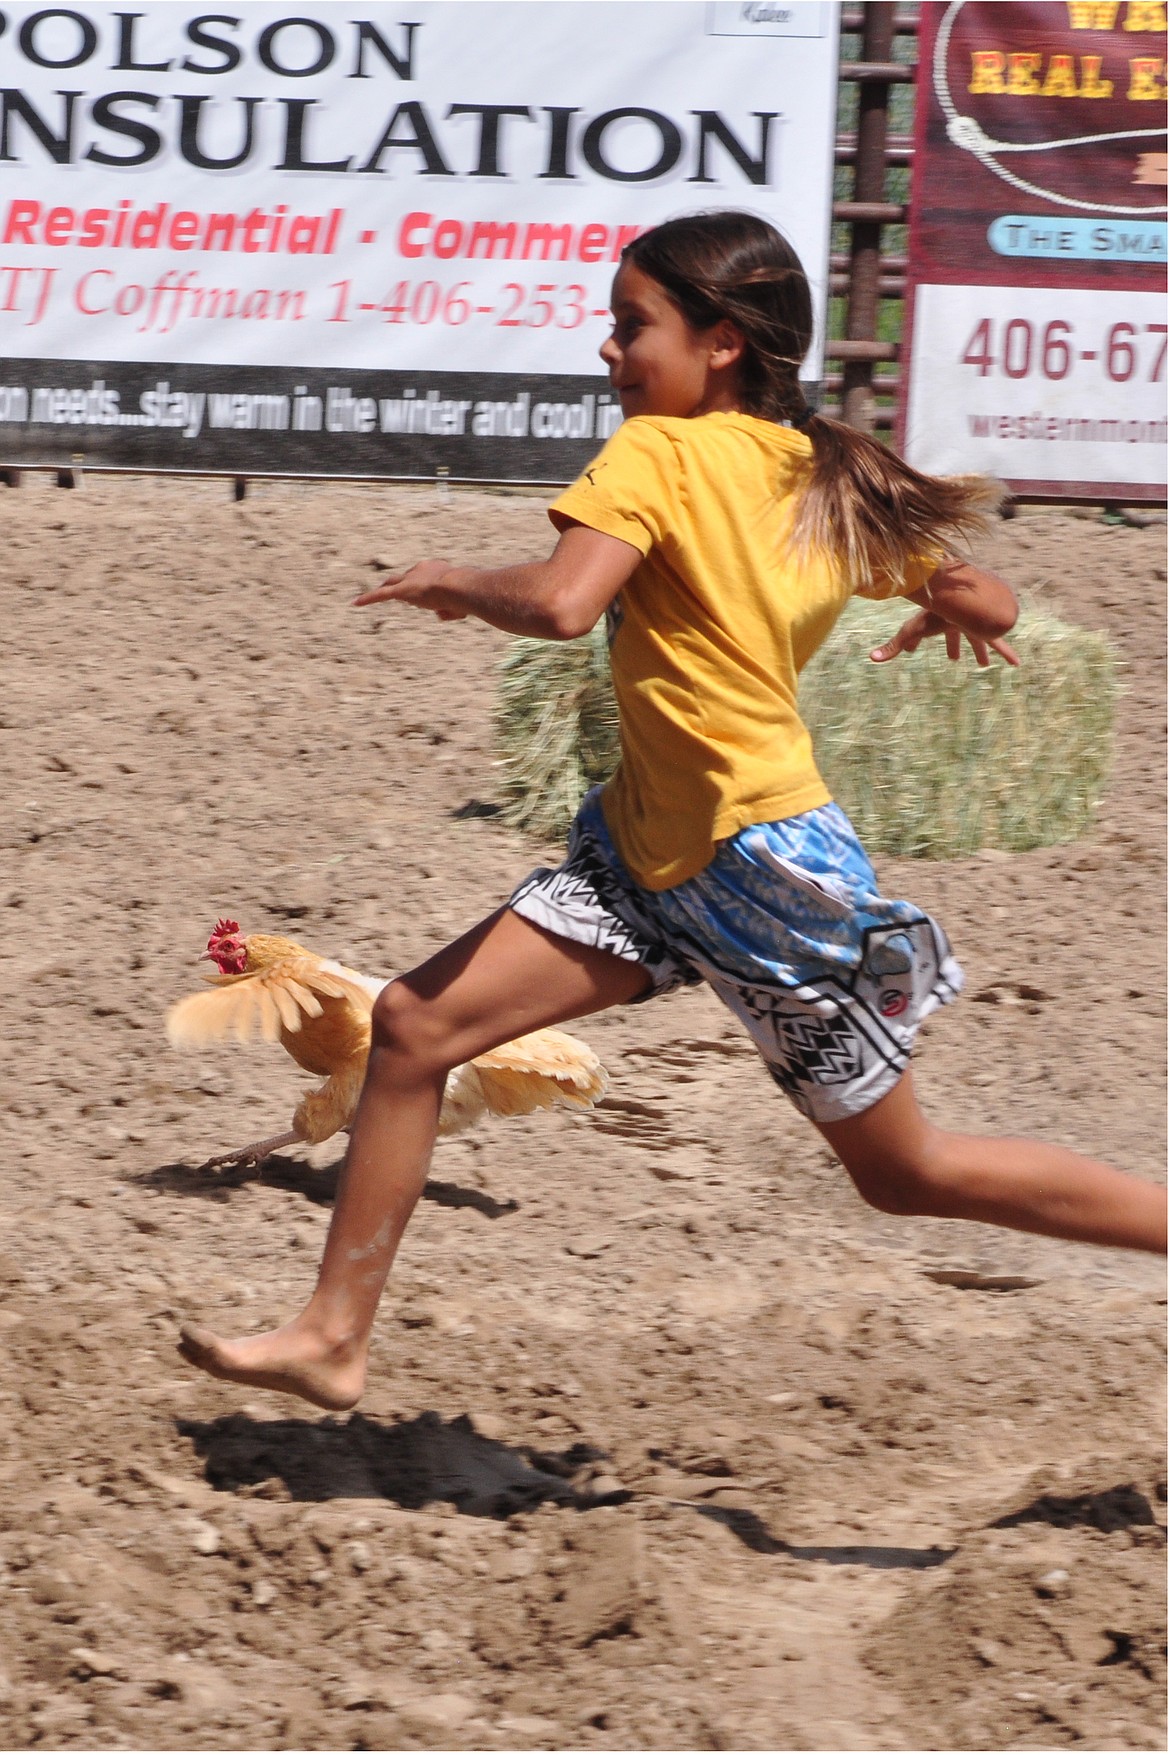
(709, 634)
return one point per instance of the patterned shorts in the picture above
(787, 926)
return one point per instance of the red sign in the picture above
(1037, 324)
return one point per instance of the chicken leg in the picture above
(245, 1156)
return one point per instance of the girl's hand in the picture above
(429, 585)
(926, 624)
(556, 599)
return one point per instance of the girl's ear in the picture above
(727, 344)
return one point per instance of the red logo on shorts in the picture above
(892, 1003)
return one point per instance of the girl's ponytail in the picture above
(863, 506)
(875, 514)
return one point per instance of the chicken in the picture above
(274, 990)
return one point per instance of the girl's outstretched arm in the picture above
(959, 601)
(556, 599)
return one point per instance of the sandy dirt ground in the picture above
(669, 1442)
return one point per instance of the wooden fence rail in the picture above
(863, 275)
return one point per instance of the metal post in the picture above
(869, 185)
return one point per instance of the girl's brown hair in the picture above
(863, 505)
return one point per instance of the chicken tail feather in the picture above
(548, 1069)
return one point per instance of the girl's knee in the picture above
(404, 1026)
(904, 1196)
(916, 1185)
(389, 1016)
(899, 1162)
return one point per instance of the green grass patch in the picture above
(931, 759)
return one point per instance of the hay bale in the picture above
(933, 759)
(556, 729)
(930, 759)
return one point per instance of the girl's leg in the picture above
(500, 980)
(902, 1164)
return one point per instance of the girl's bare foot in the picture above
(290, 1359)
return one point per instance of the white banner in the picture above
(1055, 385)
(438, 192)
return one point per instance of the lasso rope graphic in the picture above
(966, 133)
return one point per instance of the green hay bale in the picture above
(933, 759)
(930, 759)
(556, 729)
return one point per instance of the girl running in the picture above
(721, 531)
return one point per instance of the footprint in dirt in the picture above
(645, 1123)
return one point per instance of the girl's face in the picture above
(658, 363)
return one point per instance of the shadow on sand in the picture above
(410, 1462)
(293, 1174)
(1115, 1508)
(755, 1534)
(428, 1460)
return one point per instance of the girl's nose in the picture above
(608, 350)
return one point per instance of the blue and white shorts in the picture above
(787, 925)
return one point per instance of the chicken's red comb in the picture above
(224, 929)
